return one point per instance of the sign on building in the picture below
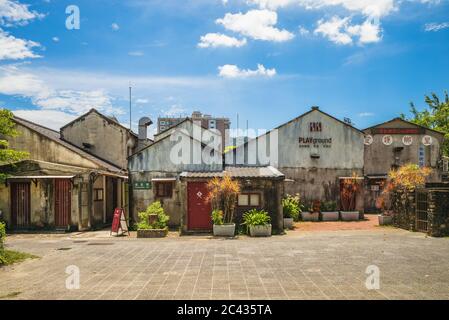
(422, 156)
(142, 185)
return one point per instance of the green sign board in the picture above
(142, 185)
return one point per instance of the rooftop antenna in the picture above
(130, 121)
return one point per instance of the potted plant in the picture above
(292, 207)
(350, 188)
(223, 193)
(152, 222)
(329, 211)
(313, 214)
(258, 222)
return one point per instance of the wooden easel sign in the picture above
(119, 223)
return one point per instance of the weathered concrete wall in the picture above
(42, 204)
(99, 206)
(320, 184)
(143, 198)
(379, 158)
(101, 134)
(44, 149)
(157, 158)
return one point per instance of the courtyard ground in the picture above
(299, 265)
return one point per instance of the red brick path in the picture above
(371, 222)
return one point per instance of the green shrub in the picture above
(217, 217)
(154, 209)
(256, 217)
(329, 206)
(292, 207)
(2, 240)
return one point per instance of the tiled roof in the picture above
(237, 172)
(56, 136)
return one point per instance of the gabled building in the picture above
(397, 142)
(176, 168)
(60, 186)
(315, 151)
(95, 133)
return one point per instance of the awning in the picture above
(39, 177)
(163, 179)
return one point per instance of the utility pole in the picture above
(130, 118)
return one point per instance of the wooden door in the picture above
(199, 210)
(20, 205)
(63, 202)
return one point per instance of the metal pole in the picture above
(130, 121)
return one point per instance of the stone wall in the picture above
(438, 213)
(404, 206)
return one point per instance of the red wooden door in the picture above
(63, 201)
(20, 204)
(199, 210)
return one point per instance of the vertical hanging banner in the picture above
(119, 223)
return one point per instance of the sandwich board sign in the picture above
(119, 223)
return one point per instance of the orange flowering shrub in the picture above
(350, 187)
(408, 177)
(223, 193)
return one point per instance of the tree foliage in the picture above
(7, 129)
(435, 116)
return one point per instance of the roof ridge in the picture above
(37, 124)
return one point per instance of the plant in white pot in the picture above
(223, 193)
(350, 188)
(329, 211)
(313, 214)
(258, 223)
(292, 207)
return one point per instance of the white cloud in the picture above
(174, 110)
(16, 82)
(372, 8)
(303, 31)
(49, 118)
(366, 114)
(136, 53)
(220, 40)
(340, 31)
(13, 48)
(115, 26)
(332, 29)
(257, 24)
(232, 71)
(368, 32)
(142, 101)
(435, 27)
(55, 39)
(15, 13)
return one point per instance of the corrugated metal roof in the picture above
(237, 172)
(56, 136)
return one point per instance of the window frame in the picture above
(249, 194)
(167, 193)
(97, 192)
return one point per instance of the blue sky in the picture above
(267, 60)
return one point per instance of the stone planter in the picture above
(288, 223)
(260, 231)
(330, 216)
(152, 233)
(385, 220)
(350, 215)
(309, 216)
(224, 230)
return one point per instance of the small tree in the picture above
(160, 218)
(223, 193)
(350, 187)
(7, 129)
(408, 177)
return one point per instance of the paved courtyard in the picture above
(300, 265)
